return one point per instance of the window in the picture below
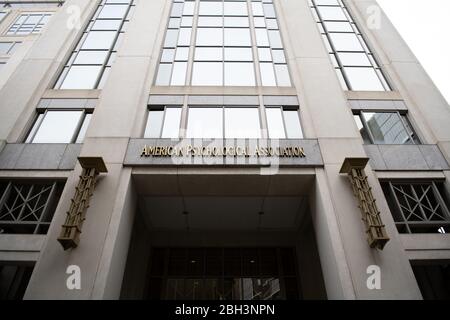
(223, 45)
(385, 128)
(2, 15)
(8, 48)
(90, 63)
(28, 207)
(223, 274)
(28, 23)
(163, 122)
(355, 64)
(418, 207)
(283, 123)
(224, 122)
(59, 126)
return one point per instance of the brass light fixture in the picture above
(375, 229)
(71, 229)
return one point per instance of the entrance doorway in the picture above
(223, 274)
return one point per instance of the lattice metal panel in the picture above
(28, 207)
(418, 207)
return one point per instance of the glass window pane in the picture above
(205, 123)
(187, 21)
(177, 9)
(182, 54)
(275, 39)
(354, 59)
(267, 74)
(211, 8)
(283, 79)
(58, 127)
(364, 79)
(164, 73)
(188, 9)
(235, 8)
(207, 74)
(264, 54)
(210, 22)
(262, 39)
(292, 122)
(275, 124)
(236, 22)
(237, 37)
(272, 24)
(81, 77)
(335, 26)
(171, 128)
(171, 39)
(154, 124)
(269, 10)
(239, 74)
(238, 54)
(91, 57)
(209, 37)
(99, 40)
(168, 55)
(260, 22)
(346, 42)
(174, 23)
(242, 123)
(332, 13)
(84, 127)
(386, 128)
(278, 56)
(184, 38)
(179, 74)
(257, 9)
(208, 54)
(113, 12)
(106, 25)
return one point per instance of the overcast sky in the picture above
(425, 25)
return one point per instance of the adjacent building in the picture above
(218, 149)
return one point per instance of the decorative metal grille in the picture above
(28, 207)
(418, 207)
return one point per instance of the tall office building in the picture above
(218, 149)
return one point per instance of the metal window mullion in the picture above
(399, 208)
(163, 122)
(403, 119)
(440, 199)
(366, 126)
(78, 127)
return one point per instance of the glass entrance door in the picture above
(223, 274)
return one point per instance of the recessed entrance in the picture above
(223, 274)
(223, 237)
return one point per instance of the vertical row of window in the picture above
(226, 37)
(217, 122)
(354, 62)
(89, 64)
